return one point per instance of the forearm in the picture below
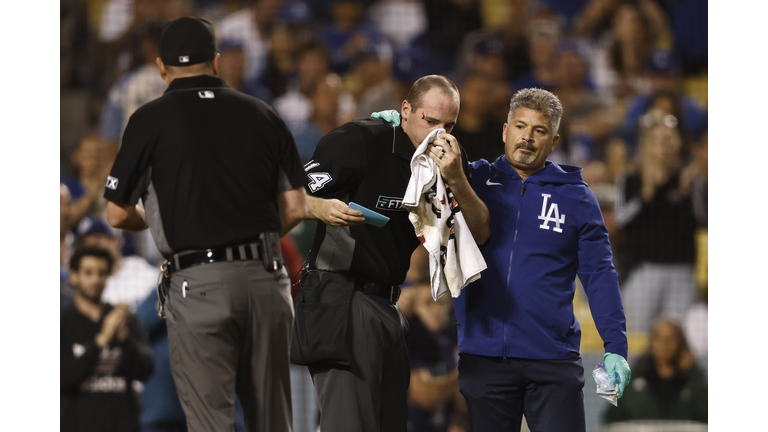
(314, 207)
(474, 210)
(656, 17)
(126, 216)
(592, 14)
(292, 205)
(102, 340)
(607, 311)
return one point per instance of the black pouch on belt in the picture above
(271, 253)
(321, 328)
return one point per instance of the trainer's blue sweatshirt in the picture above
(544, 231)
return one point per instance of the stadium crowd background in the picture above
(632, 76)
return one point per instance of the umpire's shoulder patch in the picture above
(111, 183)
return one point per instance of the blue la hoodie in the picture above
(544, 231)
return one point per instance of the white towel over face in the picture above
(454, 258)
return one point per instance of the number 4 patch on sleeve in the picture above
(319, 180)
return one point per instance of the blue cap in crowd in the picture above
(294, 12)
(93, 225)
(228, 44)
(662, 61)
(489, 46)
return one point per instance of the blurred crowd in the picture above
(631, 74)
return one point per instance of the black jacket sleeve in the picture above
(138, 362)
(339, 162)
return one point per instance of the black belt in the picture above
(389, 293)
(183, 260)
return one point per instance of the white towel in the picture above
(454, 258)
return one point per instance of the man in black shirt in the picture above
(103, 349)
(220, 181)
(368, 162)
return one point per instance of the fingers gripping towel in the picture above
(454, 258)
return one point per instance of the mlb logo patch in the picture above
(183, 59)
(111, 183)
(206, 94)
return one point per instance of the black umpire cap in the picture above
(187, 41)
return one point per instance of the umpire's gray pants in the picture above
(371, 395)
(229, 331)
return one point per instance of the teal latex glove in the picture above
(390, 116)
(616, 364)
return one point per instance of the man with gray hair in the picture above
(518, 336)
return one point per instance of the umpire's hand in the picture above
(447, 156)
(333, 212)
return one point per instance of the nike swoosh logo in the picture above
(184, 289)
(490, 183)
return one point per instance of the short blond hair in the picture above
(426, 83)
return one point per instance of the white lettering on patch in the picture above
(553, 209)
(112, 183)
(318, 180)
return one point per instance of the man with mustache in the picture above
(518, 337)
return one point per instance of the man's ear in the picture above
(161, 68)
(405, 109)
(216, 64)
(504, 133)
(555, 140)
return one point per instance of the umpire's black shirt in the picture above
(208, 163)
(368, 162)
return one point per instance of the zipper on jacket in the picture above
(509, 269)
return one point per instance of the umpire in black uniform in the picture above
(368, 162)
(220, 180)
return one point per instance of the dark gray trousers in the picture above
(371, 395)
(229, 332)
